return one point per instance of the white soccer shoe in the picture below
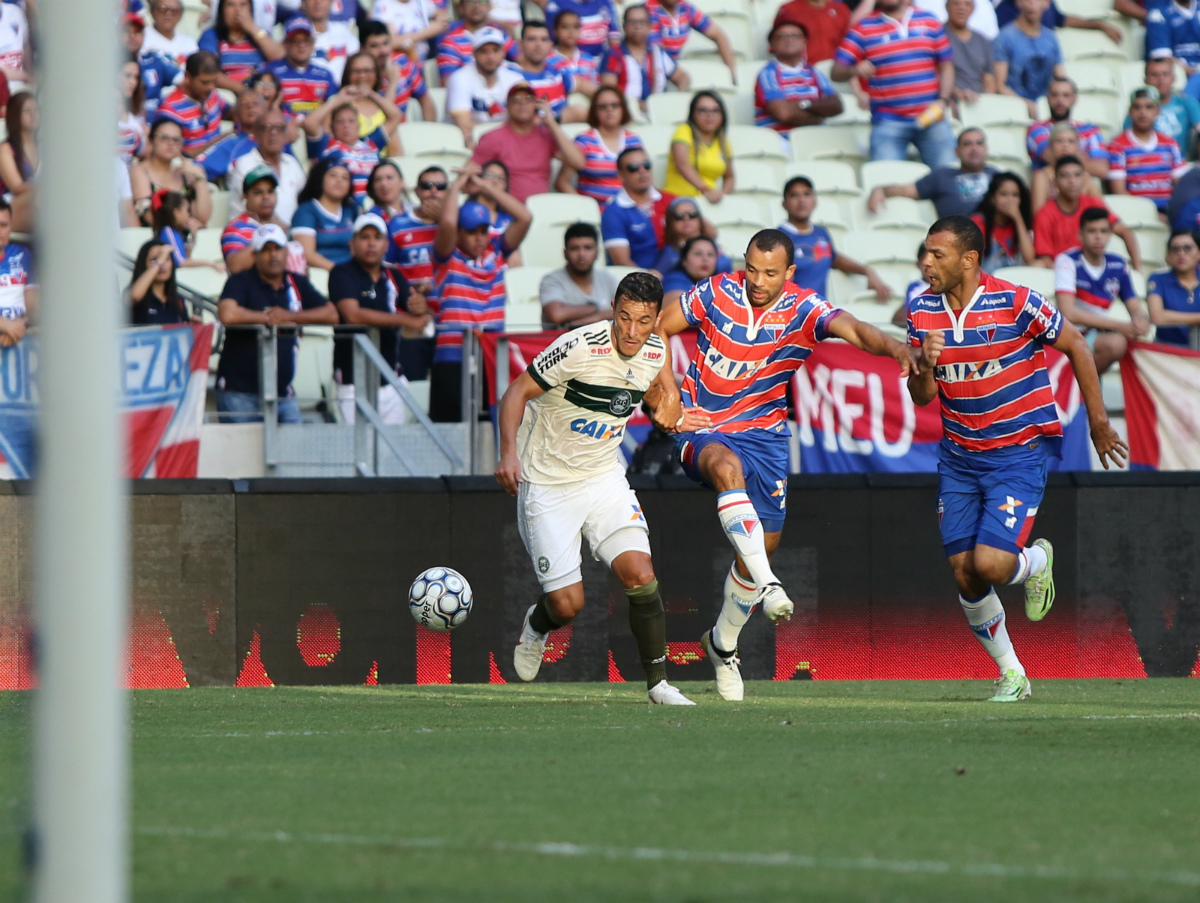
(729, 675)
(662, 693)
(527, 657)
(775, 603)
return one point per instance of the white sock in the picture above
(1030, 563)
(735, 610)
(740, 522)
(986, 617)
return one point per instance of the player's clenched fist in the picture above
(931, 349)
(508, 472)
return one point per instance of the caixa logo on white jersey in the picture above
(957, 373)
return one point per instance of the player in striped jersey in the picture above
(755, 329)
(1087, 280)
(981, 345)
(1142, 161)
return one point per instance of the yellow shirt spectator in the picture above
(710, 160)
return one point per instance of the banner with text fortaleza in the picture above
(164, 380)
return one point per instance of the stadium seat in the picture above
(668, 109)
(313, 381)
(747, 74)
(880, 247)
(481, 129)
(207, 245)
(735, 210)
(1135, 212)
(219, 218)
(659, 161)
(759, 177)
(735, 239)
(411, 167)
(522, 308)
(132, 238)
(841, 287)
(575, 129)
(1153, 245)
(1093, 77)
(1040, 279)
(865, 307)
(425, 139)
(711, 74)
(202, 280)
(891, 172)
(904, 214)
(825, 67)
(192, 22)
(740, 107)
(754, 143)
(828, 176)
(995, 109)
(561, 210)
(1085, 44)
(851, 114)
(1133, 75)
(656, 138)
(847, 144)
(740, 37)
(319, 279)
(898, 277)
(741, 9)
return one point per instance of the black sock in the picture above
(541, 620)
(648, 621)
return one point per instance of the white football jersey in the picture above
(574, 431)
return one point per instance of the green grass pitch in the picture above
(819, 791)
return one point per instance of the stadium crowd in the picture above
(315, 136)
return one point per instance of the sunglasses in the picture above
(700, 110)
(433, 186)
(608, 106)
(691, 214)
(634, 167)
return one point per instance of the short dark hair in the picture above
(768, 240)
(779, 23)
(427, 170)
(565, 12)
(202, 62)
(636, 149)
(370, 28)
(580, 230)
(632, 8)
(797, 180)
(967, 235)
(967, 131)
(641, 288)
(534, 23)
(5, 205)
(1067, 160)
(1175, 233)
(1091, 215)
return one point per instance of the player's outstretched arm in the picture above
(1108, 444)
(868, 338)
(512, 407)
(922, 385)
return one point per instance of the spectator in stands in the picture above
(526, 143)
(1173, 294)
(477, 91)
(172, 215)
(1178, 114)
(638, 67)
(18, 288)
(1061, 99)
(671, 21)
(469, 269)
(153, 295)
(164, 168)
(387, 191)
(456, 49)
(368, 294)
(697, 262)
(549, 83)
(1056, 226)
(247, 113)
(239, 43)
(1005, 218)
(824, 22)
(324, 221)
(265, 295)
(1183, 210)
(568, 59)
(411, 252)
(974, 62)
(259, 190)
(365, 87)
(600, 146)
(1173, 32)
(341, 142)
(633, 223)
(1028, 57)
(402, 79)
(598, 28)
(1144, 162)
(269, 138)
(815, 251)
(267, 84)
(411, 25)
(1008, 11)
(954, 190)
(700, 153)
(333, 42)
(159, 71)
(195, 105)
(1064, 142)
(20, 157)
(789, 92)
(981, 19)
(683, 223)
(579, 293)
(131, 128)
(162, 37)
(303, 85)
(496, 173)
(905, 56)
(1088, 281)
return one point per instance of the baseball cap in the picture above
(295, 24)
(269, 234)
(256, 175)
(487, 35)
(133, 19)
(472, 215)
(1145, 92)
(373, 220)
(521, 87)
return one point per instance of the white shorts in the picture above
(554, 518)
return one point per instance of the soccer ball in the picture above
(440, 599)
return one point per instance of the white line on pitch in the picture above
(787, 860)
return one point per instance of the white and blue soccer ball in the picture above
(440, 599)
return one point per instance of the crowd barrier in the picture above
(304, 582)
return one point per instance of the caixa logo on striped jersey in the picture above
(967, 370)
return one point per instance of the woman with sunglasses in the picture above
(601, 145)
(683, 224)
(700, 155)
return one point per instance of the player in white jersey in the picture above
(562, 464)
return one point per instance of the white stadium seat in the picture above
(1137, 213)
(1085, 44)
(847, 143)
(880, 246)
(898, 213)
(754, 143)
(424, 139)
(759, 177)
(713, 75)
(995, 109)
(828, 176)
(891, 172)
(736, 210)
(668, 109)
(522, 307)
(1093, 77)
(561, 210)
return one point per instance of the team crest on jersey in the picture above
(621, 403)
(987, 330)
(543, 564)
(637, 513)
(776, 321)
(743, 524)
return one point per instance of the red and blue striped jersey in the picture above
(1150, 168)
(200, 124)
(599, 22)
(598, 179)
(1097, 287)
(360, 158)
(550, 84)
(1091, 142)
(991, 376)
(455, 50)
(411, 249)
(238, 234)
(745, 356)
(906, 55)
(239, 59)
(780, 82)
(637, 80)
(580, 66)
(471, 296)
(410, 83)
(303, 89)
(670, 30)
